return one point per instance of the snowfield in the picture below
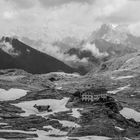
(121, 129)
(43, 135)
(130, 114)
(3, 124)
(119, 89)
(55, 105)
(75, 113)
(12, 94)
(122, 77)
(69, 124)
(65, 74)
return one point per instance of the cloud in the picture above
(68, 18)
(50, 3)
(134, 28)
(57, 19)
(25, 4)
(51, 20)
(9, 15)
(56, 52)
(94, 50)
(129, 13)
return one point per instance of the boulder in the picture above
(42, 108)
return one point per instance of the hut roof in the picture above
(96, 91)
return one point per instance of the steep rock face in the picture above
(127, 62)
(115, 40)
(15, 54)
(113, 49)
(114, 34)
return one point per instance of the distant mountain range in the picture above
(15, 54)
(104, 44)
(116, 41)
(119, 34)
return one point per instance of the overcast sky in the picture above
(41, 19)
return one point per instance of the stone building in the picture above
(91, 95)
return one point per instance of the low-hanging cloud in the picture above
(94, 50)
(56, 52)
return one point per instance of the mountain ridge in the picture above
(28, 59)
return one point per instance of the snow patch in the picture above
(54, 131)
(130, 114)
(58, 87)
(8, 48)
(43, 135)
(3, 123)
(132, 95)
(75, 113)
(129, 60)
(55, 105)
(121, 129)
(69, 124)
(122, 77)
(18, 131)
(64, 74)
(11, 94)
(118, 89)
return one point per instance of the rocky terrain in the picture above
(118, 118)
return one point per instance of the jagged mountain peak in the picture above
(117, 34)
(123, 28)
(108, 27)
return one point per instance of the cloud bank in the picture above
(56, 19)
(51, 20)
(94, 50)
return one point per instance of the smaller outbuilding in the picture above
(42, 108)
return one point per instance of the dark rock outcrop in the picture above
(16, 135)
(28, 59)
